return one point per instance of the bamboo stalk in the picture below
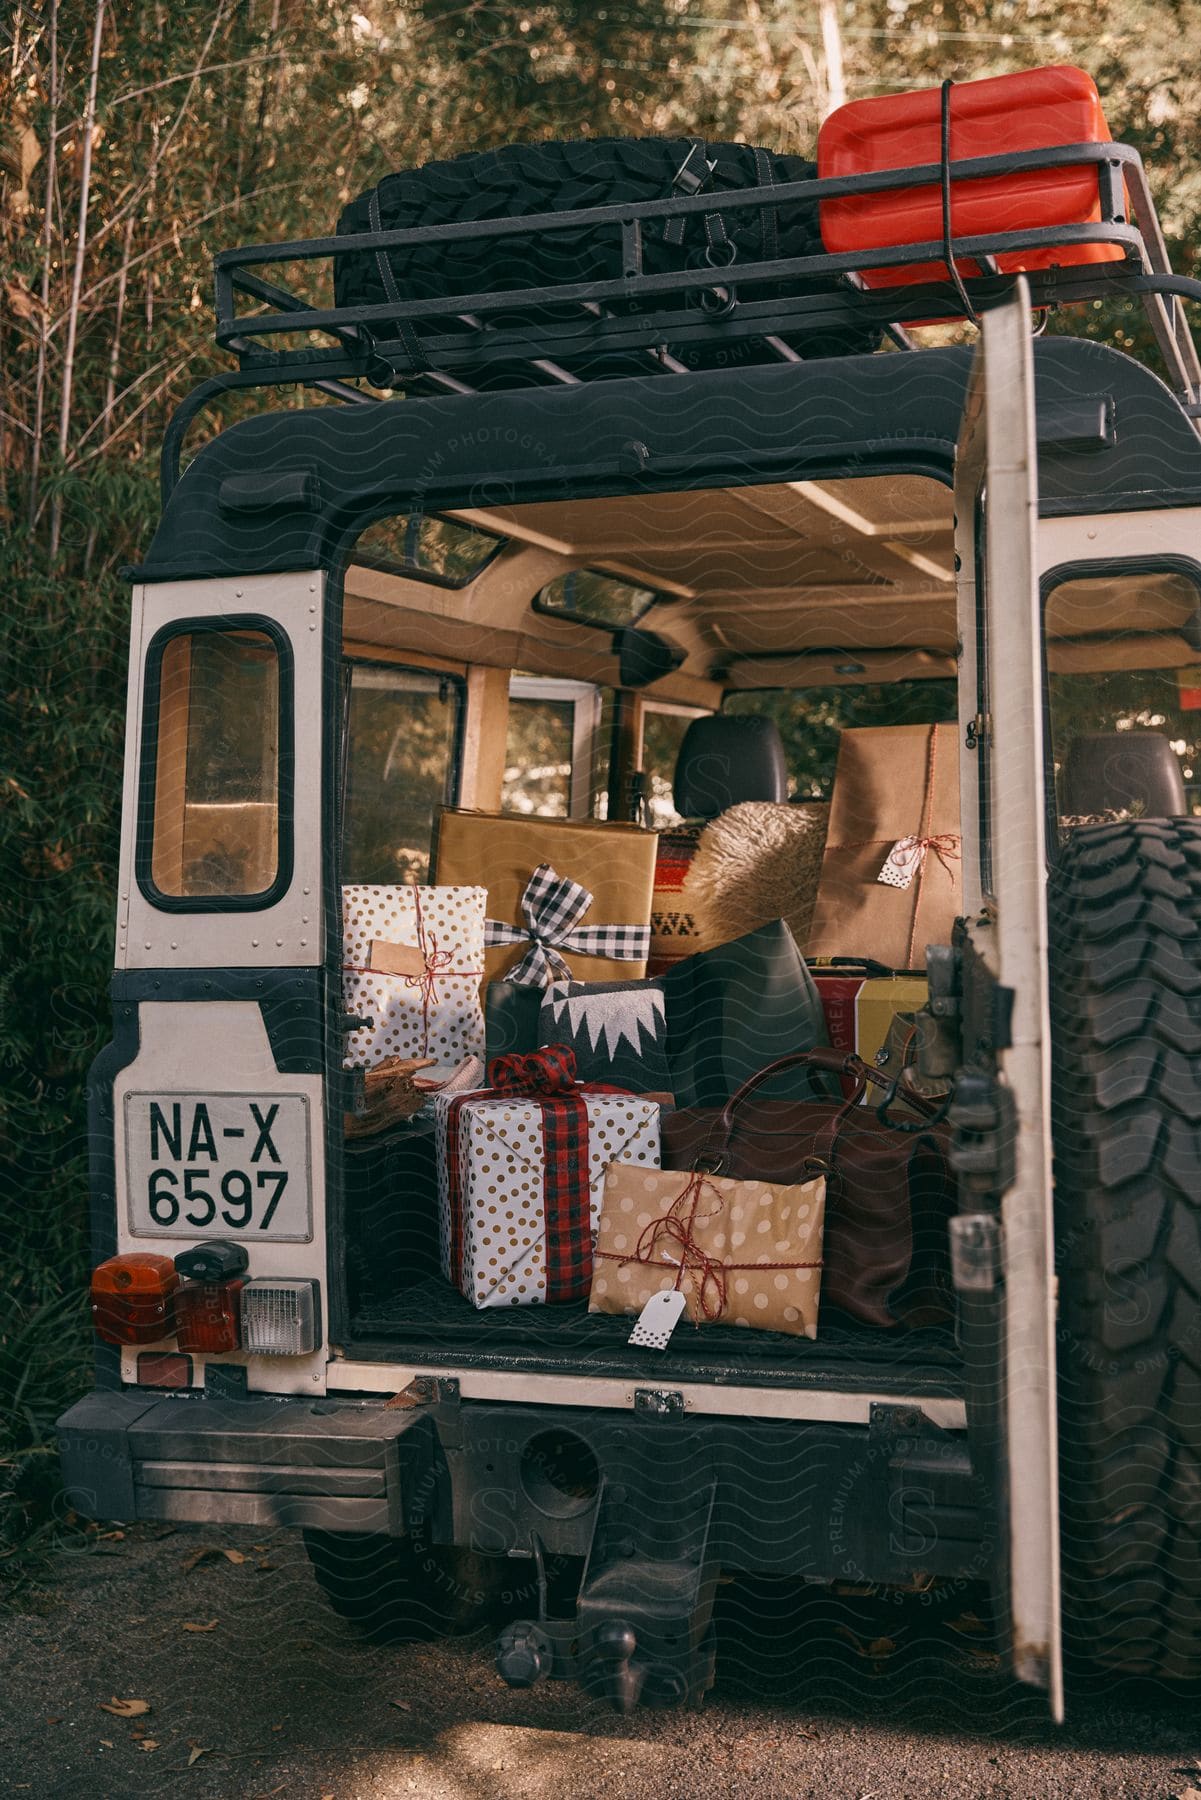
(836, 84)
(39, 399)
(85, 185)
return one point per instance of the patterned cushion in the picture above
(673, 930)
(617, 1029)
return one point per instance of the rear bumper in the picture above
(895, 1501)
(330, 1465)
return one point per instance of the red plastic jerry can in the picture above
(1035, 109)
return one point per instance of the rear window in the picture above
(216, 754)
(811, 721)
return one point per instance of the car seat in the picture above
(1113, 772)
(744, 856)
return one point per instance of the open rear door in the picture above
(1003, 773)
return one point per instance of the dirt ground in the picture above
(254, 1688)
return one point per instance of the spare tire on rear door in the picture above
(526, 179)
(1125, 913)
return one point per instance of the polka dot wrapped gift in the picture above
(412, 962)
(743, 1252)
(521, 1170)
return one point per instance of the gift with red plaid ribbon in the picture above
(521, 1170)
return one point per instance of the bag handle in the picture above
(829, 1062)
(823, 1157)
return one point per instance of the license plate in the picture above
(219, 1165)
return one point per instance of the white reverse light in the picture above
(280, 1317)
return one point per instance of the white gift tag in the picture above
(658, 1319)
(902, 862)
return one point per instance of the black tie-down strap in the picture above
(693, 176)
(418, 360)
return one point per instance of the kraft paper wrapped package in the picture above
(744, 1253)
(891, 872)
(520, 1180)
(613, 864)
(412, 962)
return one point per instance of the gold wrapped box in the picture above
(502, 851)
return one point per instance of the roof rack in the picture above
(464, 338)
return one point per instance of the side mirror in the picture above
(643, 656)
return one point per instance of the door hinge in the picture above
(983, 1121)
(975, 1252)
(977, 730)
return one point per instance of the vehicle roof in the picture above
(795, 523)
(292, 489)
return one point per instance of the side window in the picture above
(1123, 662)
(403, 731)
(215, 816)
(663, 728)
(555, 754)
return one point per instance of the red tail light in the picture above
(132, 1298)
(208, 1316)
(163, 1369)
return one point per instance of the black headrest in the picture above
(1122, 770)
(727, 758)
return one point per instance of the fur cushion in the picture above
(757, 862)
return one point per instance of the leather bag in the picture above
(889, 1191)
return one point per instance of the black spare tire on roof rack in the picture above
(525, 179)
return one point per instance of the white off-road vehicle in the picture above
(620, 484)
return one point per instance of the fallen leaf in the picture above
(196, 1752)
(191, 1625)
(148, 1744)
(109, 1537)
(54, 1721)
(1189, 1793)
(124, 1709)
(106, 1743)
(265, 1566)
(403, 1705)
(207, 1550)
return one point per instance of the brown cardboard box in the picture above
(892, 783)
(616, 863)
(751, 1250)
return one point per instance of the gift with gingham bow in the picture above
(567, 898)
(552, 907)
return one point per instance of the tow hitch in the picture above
(642, 1629)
